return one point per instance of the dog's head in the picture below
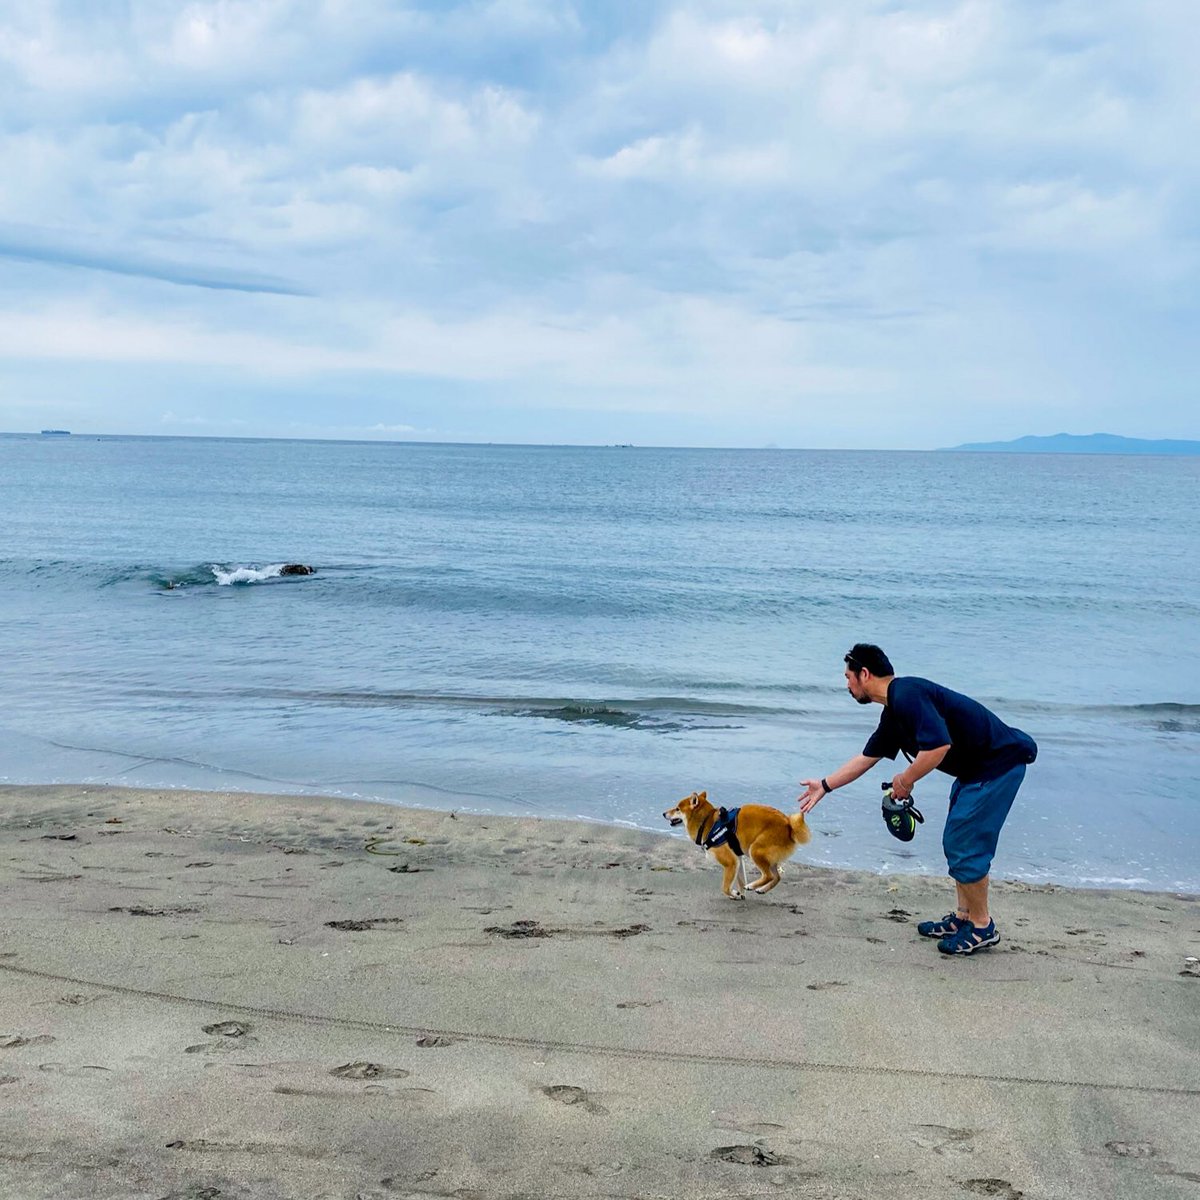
(686, 807)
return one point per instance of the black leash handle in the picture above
(893, 805)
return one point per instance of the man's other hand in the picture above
(812, 796)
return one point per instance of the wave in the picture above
(205, 575)
(65, 572)
(1162, 716)
(227, 576)
(670, 712)
(617, 592)
(660, 714)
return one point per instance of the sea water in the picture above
(594, 632)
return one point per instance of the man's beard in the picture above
(863, 699)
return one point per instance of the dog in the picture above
(767, 835)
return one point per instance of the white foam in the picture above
(246, 574)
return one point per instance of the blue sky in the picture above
(708, 223)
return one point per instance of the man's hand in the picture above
(901, 788)
(812, 796)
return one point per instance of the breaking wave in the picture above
(228, 576)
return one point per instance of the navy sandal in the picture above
(949, 925)
(968, 939)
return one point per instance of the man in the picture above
(938, 729)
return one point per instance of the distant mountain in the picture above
(1089, 443)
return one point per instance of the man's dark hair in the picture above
(865, 656)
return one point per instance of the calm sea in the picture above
(595, 632)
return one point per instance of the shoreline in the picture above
(467, 808)
(251, 995)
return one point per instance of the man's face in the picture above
(855, 685)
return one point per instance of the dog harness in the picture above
(722, 832)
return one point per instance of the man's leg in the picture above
(973, 902)
(977, 812)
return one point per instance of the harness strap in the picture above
(722, 832)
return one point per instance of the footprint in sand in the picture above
(605, 1170)
(1131, 1149)
(750, 1156)
(431, 1041)
(992, 1187)
(944, 1139)
(826, 984)
(564, 1093)
(233, 1035)
(368, 924)
(195, 1192)
(520, 929)
(83, 1071)
(233, 1029)
(368, 1070)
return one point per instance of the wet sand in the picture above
(217, 996)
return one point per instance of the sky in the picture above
(745, 223)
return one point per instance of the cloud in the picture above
(40, 247)
(662, 209)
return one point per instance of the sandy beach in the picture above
(214, 995)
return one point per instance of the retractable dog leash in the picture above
(900, 816)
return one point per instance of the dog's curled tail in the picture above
(800, 832)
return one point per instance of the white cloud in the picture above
(654, 208)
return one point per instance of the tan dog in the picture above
(767, 835)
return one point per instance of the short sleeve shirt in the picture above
(920, 715)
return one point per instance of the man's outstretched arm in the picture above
(860, 764)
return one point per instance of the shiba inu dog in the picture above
(765, 834)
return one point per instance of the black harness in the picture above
(722, 832)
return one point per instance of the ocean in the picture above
(594, 632)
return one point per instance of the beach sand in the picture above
(213, 995)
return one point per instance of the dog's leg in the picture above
(729, 861)
(768, 877)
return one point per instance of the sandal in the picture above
(968, 939)
(949, 925)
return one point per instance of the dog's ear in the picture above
(702, 796)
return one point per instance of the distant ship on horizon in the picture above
(56, 433)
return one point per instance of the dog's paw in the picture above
(737, 895)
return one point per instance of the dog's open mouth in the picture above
(675, 821)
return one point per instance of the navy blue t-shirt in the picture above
(920, 715)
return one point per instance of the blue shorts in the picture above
(977, 811)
